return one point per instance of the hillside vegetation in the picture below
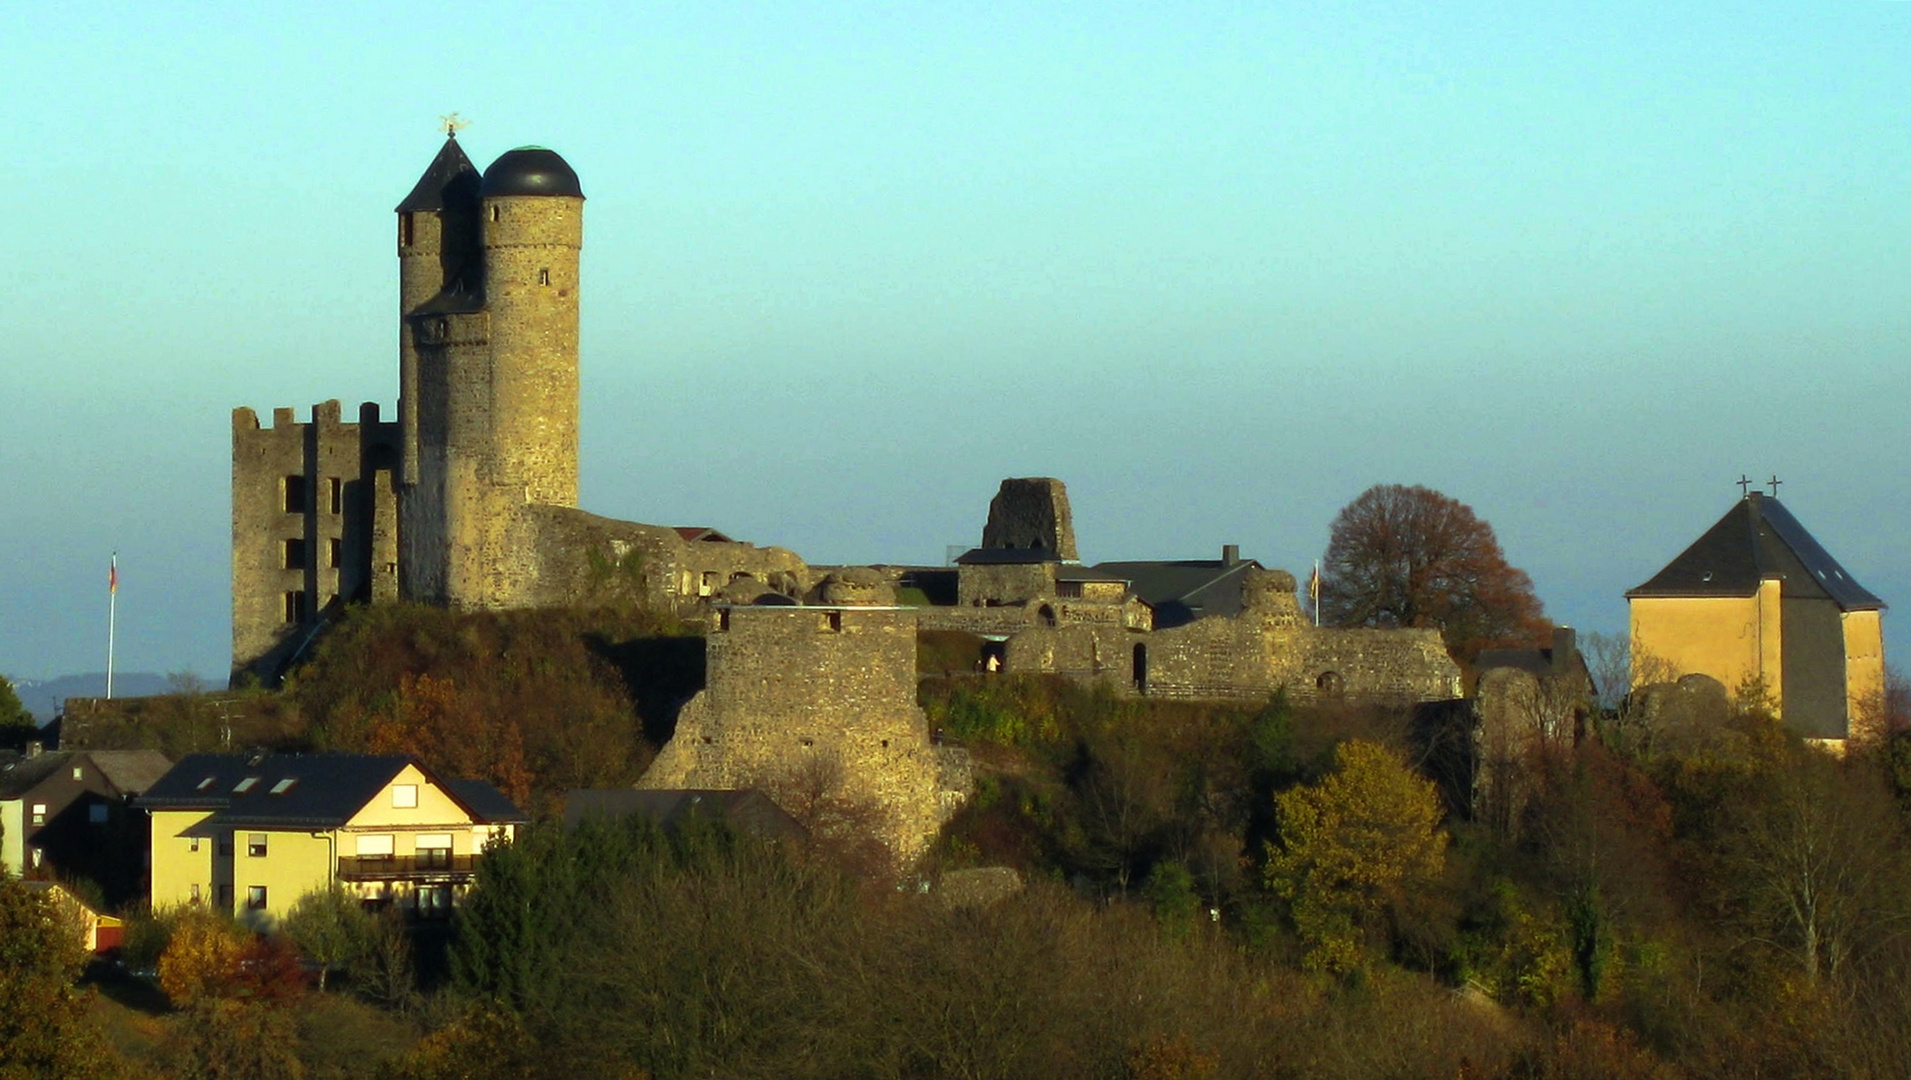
(1214, 890)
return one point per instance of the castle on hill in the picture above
(467, 498)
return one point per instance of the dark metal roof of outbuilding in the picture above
(450, 178)
(1758, 539)
(1183, 590)
(1006, 556)
(531, 170)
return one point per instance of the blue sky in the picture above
(1220, 268)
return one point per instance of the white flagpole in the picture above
(1314, 587)
(112, 621)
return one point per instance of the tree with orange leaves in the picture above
(1403, 556)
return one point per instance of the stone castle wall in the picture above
(314, 508)
(808, 701)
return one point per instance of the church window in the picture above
(337, 493)
(332, 547)
(295, 606)
(404, 229)
(294, 554)
(723, 622)
(1068, 590)
(295, 494)
(708, 585)
(494, 212)
(544, 276)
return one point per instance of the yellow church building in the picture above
(1757, 599)
(251, 834)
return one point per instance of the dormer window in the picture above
(204, 784)
(284, 785)
(245, 785)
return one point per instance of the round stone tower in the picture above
(532, 215)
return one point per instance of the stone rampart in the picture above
(817, 703)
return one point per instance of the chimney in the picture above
(1230, 554)
(1564, 641)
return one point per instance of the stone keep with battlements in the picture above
(468, 498)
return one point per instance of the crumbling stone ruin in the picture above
(1208, 629)
(1031, 515)
(816, 707)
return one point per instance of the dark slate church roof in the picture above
(449, 178)
(1756, 540)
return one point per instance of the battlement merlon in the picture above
(326, 414)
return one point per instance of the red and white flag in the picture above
(112, 576)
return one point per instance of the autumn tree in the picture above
(44, 1030)
(1411, 557)
(1351, 847)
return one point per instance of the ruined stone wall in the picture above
(581, 558)
(1246, 657)
(997, 584)
(808, 702)
(1092, 652)
(313, 524)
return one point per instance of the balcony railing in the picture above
(397, 867)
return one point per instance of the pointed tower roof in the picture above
(446, 172)
(1758, 540)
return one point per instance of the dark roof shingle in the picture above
(1756, 540)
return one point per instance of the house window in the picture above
(255, 845)
(707, 586)
(255, 898)
(96, 813)
(295, 494)
(79, 773)
(404, 796)
(295, 606)
(1068, 590)
(434, 851)
(333, 545)
(375, 847)
(293, 554)
(335, 487)
(192, 844)
(39, 813)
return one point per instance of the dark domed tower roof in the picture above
(530, 170)
(449, 179)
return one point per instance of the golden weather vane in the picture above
(453, 124)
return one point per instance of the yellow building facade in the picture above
(251, 835)
(1757, 601)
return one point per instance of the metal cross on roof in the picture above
(1774, 482)
(453, 124)
(1744, 484)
